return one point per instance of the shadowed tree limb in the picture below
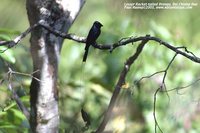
(124, 41)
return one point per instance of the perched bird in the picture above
(93, 34)
(85, 117)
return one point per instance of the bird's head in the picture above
(98, 24)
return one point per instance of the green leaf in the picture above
(2, 113)
(9, 106)
(25, 98)
(6, 125)
(7, 55)
(18, 114)
(4, 37)
(8, 31)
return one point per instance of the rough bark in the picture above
(45, 51)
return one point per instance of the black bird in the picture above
(85, 117)
(93, 34)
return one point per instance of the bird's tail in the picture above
(85, 55)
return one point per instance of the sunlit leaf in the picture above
(7, 55)
(25, 98)
(18, 114)
(9, 106)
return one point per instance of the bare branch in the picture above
(166, 70)
(69, 36)
(121, 81)
(16, 97)
(154, 112)
(14, 42)
(160, 88)
(184, 87)
(25, 74)
(149, 76)
(111, 47)
(19, 102)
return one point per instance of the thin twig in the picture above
(184, 87)
(14, 94)
(155, 94)
(25, 74)
(16, 97)
(154, 112)
(14, 42)
(19, 102)
(149, 76)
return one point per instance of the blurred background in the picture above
(90, 85)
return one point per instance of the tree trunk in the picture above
(45, 51)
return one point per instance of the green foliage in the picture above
(6, 54)
(12, 119)
(90, 85)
